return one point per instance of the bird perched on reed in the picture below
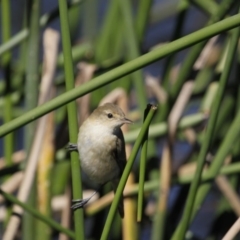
(101, 148)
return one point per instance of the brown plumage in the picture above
(101, 146)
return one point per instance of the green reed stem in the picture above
(72, 118)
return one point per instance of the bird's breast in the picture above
(96, 148)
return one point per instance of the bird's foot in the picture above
(80, 203)
(72, 147)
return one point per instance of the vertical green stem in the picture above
(103, 50)
(109, 36)
(31, 100)
(180, 233)
(72, 117)
(133, 50)
(6, 27)
(89, 19)
(6, 62)
(144, 7)
(142, 170)
(126, 173)
(165, 107)
(180, 20)
(6, 34)
(218, 161)
(8, 140)
(32, 69)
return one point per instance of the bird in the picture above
(101, 149)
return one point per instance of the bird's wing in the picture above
(120, 154)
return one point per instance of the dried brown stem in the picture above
(229, 193)
(232, 232)
(51, 39)
(85, 74)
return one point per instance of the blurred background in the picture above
(34, 161)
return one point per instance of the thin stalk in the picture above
(168, 66)
(75, 15)
(32, 69)
(159, 225)
(233, 168)
(202, 80)
(89, 25)
(133, 50)
(118, 39)
(126, 173)
(160, 129)
(102, 51)
(238, 95)
(153, 185)
(31, 100)
(142, 17)
(208, 6)
(46, 155)
(142, 170)
(109, 36)
(44, 171)
(72, 117)
(170, 60)
(6, 28)
(182, 227)
(121, 71)
(37, 214)
(23, 34)
(8, 108)
(196, 50)
(14, 41)
(78, 52)
(167, 9)
(223, 116)
(228, 140)
(227, 144)
(6, 34)
(9, 138)
(20, 69)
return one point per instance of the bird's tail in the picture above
(120, 204)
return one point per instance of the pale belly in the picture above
(98, 162)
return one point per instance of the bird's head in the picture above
(111, 115)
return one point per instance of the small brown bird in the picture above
(101, 148)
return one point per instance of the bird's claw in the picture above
(79, 203)
(72, 147)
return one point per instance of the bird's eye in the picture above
(110, 115)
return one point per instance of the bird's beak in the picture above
(127, 121)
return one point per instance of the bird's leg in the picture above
(72, 147)
(80, 203)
